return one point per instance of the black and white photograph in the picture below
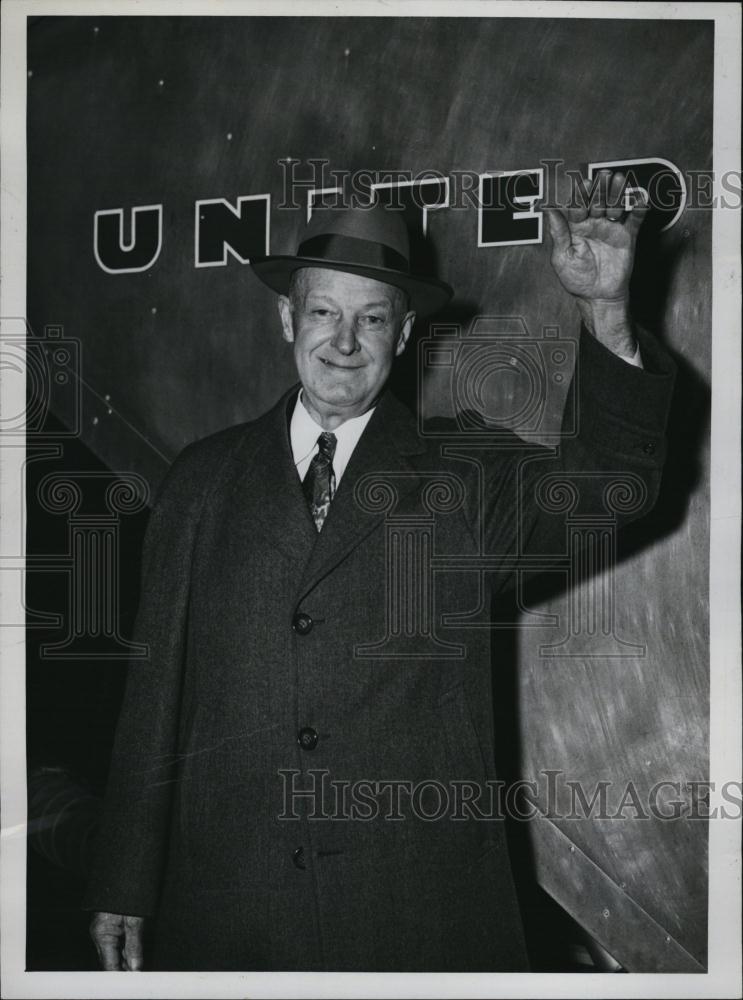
(370, 466)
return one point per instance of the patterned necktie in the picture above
(318, 485)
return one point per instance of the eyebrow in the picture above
(382, 303)
(379, 304)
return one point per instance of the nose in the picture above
(344, 338)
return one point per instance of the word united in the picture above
(127, 241)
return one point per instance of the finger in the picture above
(614, 201)
(577, 207)
(108, 953)
(578, 210)
(559, 229)
(106, 931)
(637, 210)
(133, 956)
(577, 214)
(598, 201)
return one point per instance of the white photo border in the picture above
(723, 978)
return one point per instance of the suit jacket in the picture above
(281, 659)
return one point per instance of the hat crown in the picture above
(368, 240)
(373, 223)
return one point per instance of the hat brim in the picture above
(427, 295)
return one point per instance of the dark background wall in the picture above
(130, 111)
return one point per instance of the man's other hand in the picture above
(118, 941)
(593, 250)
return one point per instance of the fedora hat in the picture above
(369, 240)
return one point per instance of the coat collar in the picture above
(265, 486)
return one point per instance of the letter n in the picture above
(117, 255)
(222, 228)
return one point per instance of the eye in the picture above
(320, 312)
(373, 320)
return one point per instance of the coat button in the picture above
(298, 858)
(649, 448)
(302, 623)
(307, 738)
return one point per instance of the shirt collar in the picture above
(304, 431)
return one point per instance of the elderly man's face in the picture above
(346, 332)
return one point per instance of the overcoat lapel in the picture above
(266, 496)
(382, 454)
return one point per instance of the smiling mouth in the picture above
(345, 368)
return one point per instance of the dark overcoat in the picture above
(285, 662)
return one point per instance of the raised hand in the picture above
(593, 251)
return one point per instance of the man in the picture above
(287, 647)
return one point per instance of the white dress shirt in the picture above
(304, 432)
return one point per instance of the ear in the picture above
(287, 318)
(403, 336)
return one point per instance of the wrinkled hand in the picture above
(593, 250)
(593, 246)
(118, 941)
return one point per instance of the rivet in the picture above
(668, 938)
(95, 421)
(229, 136)
(572, 848)
(346, 52)
(96, 29)
(110, 412)
(153, 310)
(30, 72)
(161, 83)
(107, 397)
(606, 913)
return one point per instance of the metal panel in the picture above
(605, 910)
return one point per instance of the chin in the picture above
(344, 399)
(340, 390)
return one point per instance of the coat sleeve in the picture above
(609, 461)
(128, 860)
